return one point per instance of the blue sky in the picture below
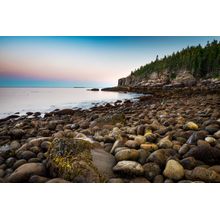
(81, 61)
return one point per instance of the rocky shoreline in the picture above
(172, 135)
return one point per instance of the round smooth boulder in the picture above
(191, 126)
(127, 154)
(25, 171)
(129, 168)
(174, 170)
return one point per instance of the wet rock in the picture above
(217, 134)
(194, 138)
(216, 168)
(25, 171)
(190, 163)
(57, 180)
(201, 143)
(104, 162)
(168, 181)
(128, 168)
(151, 170)
(184, 149)
(7, 151)
(26, 155)
(15, 145)
(17, 133)
(45, 145)
(174, 170)
(185, 181)
(131, 144)
(40, 156)
(191, 126)
(150, 137)
(143, 154)
(140, 129)
(18, 163)
(2, 173)
(128, 154)
(165, 143)
(209, 155)
(160, 156)
(149, 146)
(64, 112)
(203, 174)
(37, 141)
(35, 149)
(139, 180)
(38, 179)
(117, 144)
(158, 179)
(140, 139)
(212, 128)
(210, 140)
(10, 161)
(8, 172)
(116, 180)
(1, 160)
(110, 119)
(34, 160)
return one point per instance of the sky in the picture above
(81, 61)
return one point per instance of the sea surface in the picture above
(24, 100)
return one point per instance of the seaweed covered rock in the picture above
(110, 119)
(71, 160)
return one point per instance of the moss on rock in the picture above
(71, 159)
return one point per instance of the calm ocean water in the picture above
(47, 99)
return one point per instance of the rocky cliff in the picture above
(159, 79)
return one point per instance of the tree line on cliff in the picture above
(200, 61)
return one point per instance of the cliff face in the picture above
(155, 78)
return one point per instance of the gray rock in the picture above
(212, 128)
(58, 180)
(158, 179)
(151, 170)
(104, 162)
(17, 133)
(202, 143)
(2, 173)
(160, 156)
(118, 143)
(38, 179)
(18, 163)
(45, 145)
(143, 154)
(25, 171)
(116, 180)
(128, 168)
(217, 134)
(131, 144)
(190, 163)
(27, 155)
(203, 174)
(209, 155)
(10, 161)
(184, 149)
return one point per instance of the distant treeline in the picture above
(199, 60)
